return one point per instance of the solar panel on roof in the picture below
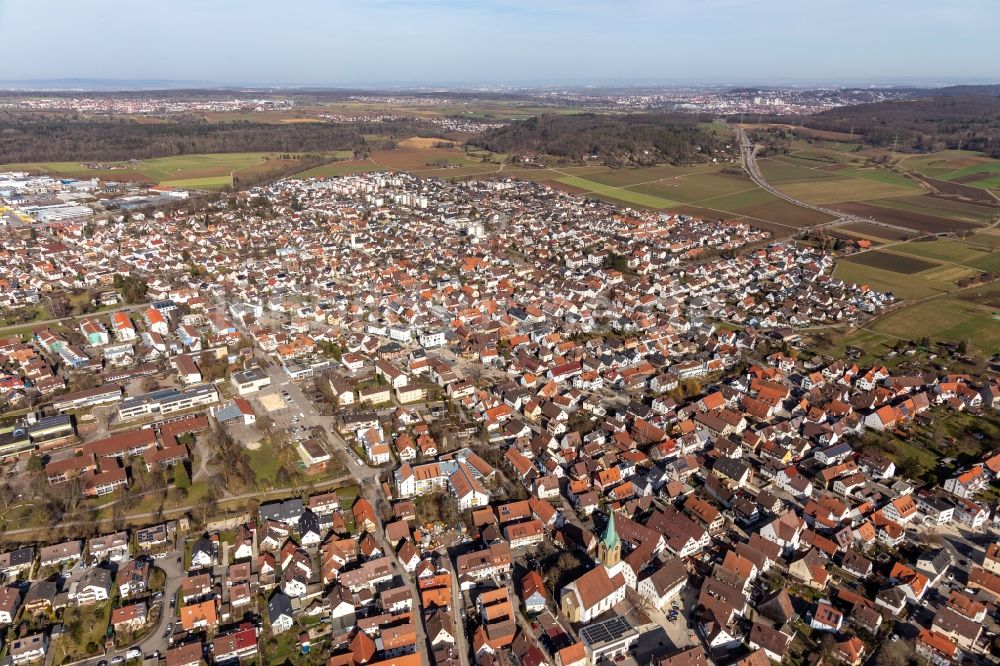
(606, 631)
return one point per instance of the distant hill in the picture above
(616, 140)
(79, 84)
(948, 121)
(960, 91)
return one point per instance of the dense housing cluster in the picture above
(546, 429)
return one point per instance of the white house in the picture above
(664, 584)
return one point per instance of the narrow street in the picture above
(370, 492)
(457, 614)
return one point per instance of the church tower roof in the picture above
(610, 537)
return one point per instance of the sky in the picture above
(491, 42)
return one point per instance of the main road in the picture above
(749, 150)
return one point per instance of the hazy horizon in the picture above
(401, 43)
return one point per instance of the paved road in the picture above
(749, 152)
(370, 491)
(302, 406)
(457, 614)
(155, 640)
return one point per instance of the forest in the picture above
(934, 123)
(30, 138)
(615, 140)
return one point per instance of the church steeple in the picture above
(609, 550)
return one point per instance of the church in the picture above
(601, 588)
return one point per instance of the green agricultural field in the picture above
(697, 188)
(949, 273)
(874, 232)
(786, 214)
(987, 166)
(591, 171)
(339, 169)
(184, 166)
(965, 167)
(742, 201)
(954, 251)
(780, 170)
(206, 171)
(624, 195)
(983, 166)
(837, 189)
(817, 155)
(626, 177)
(897, 263)
(957, 317)
(944, 160)
(880, 175)
(955, 210)
(908, 287)
(987, 238)
(207, 183)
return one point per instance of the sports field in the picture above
(272, 402)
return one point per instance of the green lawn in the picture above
(874, 345)
(86, 627)
(151, 502)
(348, 494)
(12, 326)
(898, 450)
(284, 649)
(264, 464)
